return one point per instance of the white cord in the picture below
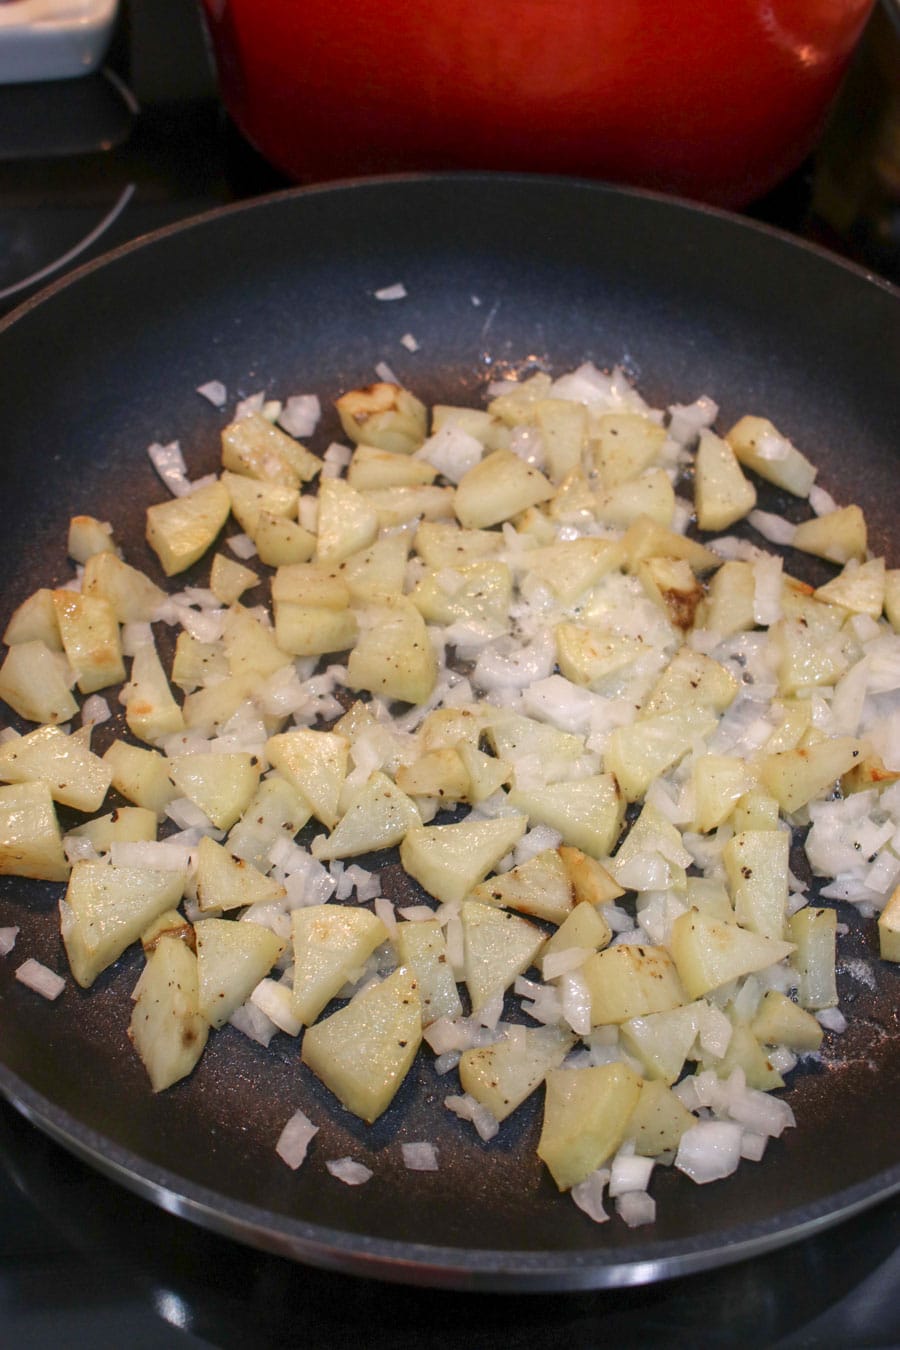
(109, 219)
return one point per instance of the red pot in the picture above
(713, 99)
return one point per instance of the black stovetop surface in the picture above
(88, 165)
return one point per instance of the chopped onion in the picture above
(40, 978)
(709, 1150)
(420, 1157)
(396, 291)
(349, 1172)
(636, 1208)
(295, 1138)
(8, 939)
(588, 1195)
(300, 415)
(215, 392)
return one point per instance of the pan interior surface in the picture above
(501, 274)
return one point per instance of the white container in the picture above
(53, 39)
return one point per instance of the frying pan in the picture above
(501, 273)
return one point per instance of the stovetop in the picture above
(88, 165)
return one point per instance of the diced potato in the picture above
(393, 656)
(584, 928)
(363, 1052)
(35, 621)
(90, 638)
(212, 706)
(586, 1114)
(441, 544)
(658, 1120)
(745, 1052)
(591, 881)
(140, 775)
(646, 538)
(250, 499)
(815, 933)
(729, 606)
(228, 579)
(106, 908)
(436, 773)
(225, 882)
(399, 505)
(796, 777)
(540, 887)
(502, 1075)
(75, 776)
(518, 406)
(36, 683)
(181, 530)
(378, 816)
(476, 592)
(171, 923)
(709, 952)
(498, 947)
(719, 782)
(756, 810)
(385, 416)
(838, 535)
(631, 981)
(572, 566)
(150, 707)
(308, 630)
(275, 811)
(889, 929)
(423, 948)
(477, 422)
(448, 860)
(624, 445)
(377, 572)
(710, 897)
(588, 812)
(498, 488)
(563, 428)
(722, 494)
(779, 1021)
(89, 536)
(651, 496)
(486, 774)
(197, 663)
(588, 656)
(859, 588)
(253, 446)
(347, 522)
(315, 763)
(374, 468)
(166, 1028)
(652, 839)
(232, 958)
(807, 656)
(761, 448)
(250, 645)
(331, 946)
(220, 784)
(642, 751)
(134, 598)
(280, 541)
(30, 837)
(125, 825)
(670, 583)
(757, 866)
(691, 677)
(662, 1041)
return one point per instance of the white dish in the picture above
(53, 39)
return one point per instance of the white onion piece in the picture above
(215, 392)
(349, 1172)
(629, 1172)
(8, 939)
(467, 1108)
(40, 979)
(396, 291)
(588, 1195)
(636, 1208)
(300, 414)
(709, 1150)
(420, 1156)
(294, 1140)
